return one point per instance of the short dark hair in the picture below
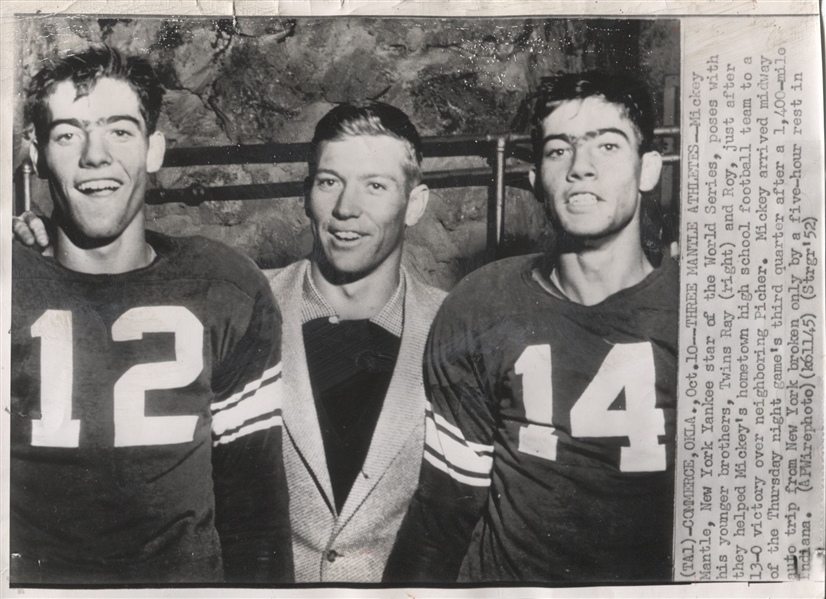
(84, 69)
(629, 94)
(369, 118)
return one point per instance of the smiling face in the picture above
(591, 171)
(97, 157)
(359, 203)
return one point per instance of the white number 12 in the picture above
(57, 428)
(628, 366)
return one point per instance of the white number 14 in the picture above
(57, 428)
(628, 366)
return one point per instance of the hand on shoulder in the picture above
(30, 229)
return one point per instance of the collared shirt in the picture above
(390, 318)
(351, 364)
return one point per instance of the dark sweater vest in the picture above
(350, 363)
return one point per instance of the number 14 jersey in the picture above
(146, 421)
(550, 435)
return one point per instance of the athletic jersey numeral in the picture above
(132, 427)
(628, 366)
(535, 367)
(56, 428)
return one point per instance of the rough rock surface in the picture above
(255, 80)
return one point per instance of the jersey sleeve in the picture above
(251, 497)
(458, 457)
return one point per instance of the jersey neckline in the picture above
(160, 243)
(537, 262)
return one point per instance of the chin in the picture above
(589, 233)
(340, 275)
(342, 265)
(99, 230)
(336, 269)
(93, 234)
(583, 229)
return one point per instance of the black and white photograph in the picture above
(306, 302)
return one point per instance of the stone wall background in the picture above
(255, 80)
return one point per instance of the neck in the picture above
(127, 252)
(363, 298)
(599, 269)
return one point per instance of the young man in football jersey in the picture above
(355, 327)
(550, 431)
(146, 378)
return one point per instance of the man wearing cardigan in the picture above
(355, 326)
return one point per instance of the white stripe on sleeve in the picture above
(248, 388)
(257, 411)
(258, 425)
(447, 449)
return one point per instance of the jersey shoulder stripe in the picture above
(445, 427)
(447, 450)
(457, 474)
(269, 376)
(256, 408)
(272, 420)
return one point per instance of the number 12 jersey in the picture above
(550, 435)
(146, 421)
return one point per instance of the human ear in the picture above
(308, 186)
(652, 164)
(416, 204)
(536, 185)
(155, 152)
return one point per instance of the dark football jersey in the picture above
(146, 421)
(550, 436)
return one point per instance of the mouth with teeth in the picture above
(345, 236)
(582, 199)
(98, 187)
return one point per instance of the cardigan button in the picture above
(332, 555)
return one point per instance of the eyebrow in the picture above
(108, 121)
(326, 171)
(361, 177)
(571, 139)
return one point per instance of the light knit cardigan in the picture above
(354, 545)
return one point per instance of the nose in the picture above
(582, 165)
(347, 203)
(95, 152)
